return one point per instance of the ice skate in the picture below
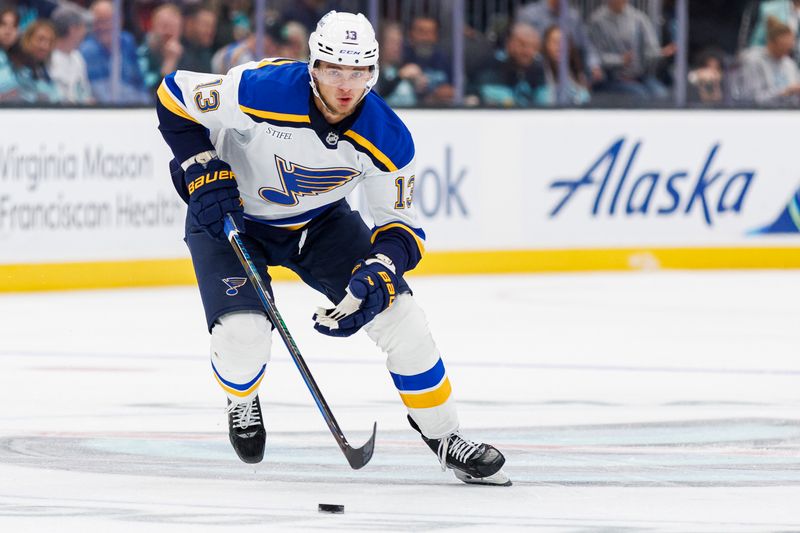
(246, 430)
(474, 463)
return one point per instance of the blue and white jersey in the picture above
(290, 163)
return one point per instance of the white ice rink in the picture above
(657, 402)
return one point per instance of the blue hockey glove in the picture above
(372, 288)
(212, 194)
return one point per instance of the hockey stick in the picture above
(357, 457)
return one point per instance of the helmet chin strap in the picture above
(319, 96)
(363, 95)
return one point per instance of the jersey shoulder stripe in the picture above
(169, 81)
(276, 91)
(379, 133)
(170, 96)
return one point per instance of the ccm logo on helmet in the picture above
(350, 52)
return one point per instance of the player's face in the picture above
(167, 25)
(617, 5)
(76, 34)
(553, 45)
(203, 28)
(785, 43)
(523, 46)
(424, 31)
(41, 44)
(8, 30)
(341, 86)
(103, 22)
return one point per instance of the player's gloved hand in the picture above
(212, 194)
(372, 288)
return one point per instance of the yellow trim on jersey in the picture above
(168, 101)
(433, 398)
(371, 148)
(276, 63)
(286, 117)
(293, 227)
(240, 394)
(420, 242)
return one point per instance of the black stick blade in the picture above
(358, 457)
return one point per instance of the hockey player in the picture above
(278, 145)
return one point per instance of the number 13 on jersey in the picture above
(210, 103)
(405, 192)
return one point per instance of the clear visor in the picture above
(346, 79)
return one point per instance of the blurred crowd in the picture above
(59, 51)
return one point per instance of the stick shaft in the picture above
(276, 319)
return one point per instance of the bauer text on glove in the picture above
(213, 193)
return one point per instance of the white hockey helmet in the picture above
(344, 39)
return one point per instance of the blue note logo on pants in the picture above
(233, 285)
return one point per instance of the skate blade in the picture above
(498, 478)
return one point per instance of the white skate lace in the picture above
(244, 414)
(459, 448)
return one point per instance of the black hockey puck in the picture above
(331, 508)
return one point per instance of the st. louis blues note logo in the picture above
(297, 180)
(233, 285)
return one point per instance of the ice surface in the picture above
(664, 401)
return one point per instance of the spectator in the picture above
(234, 23)
(29, 11)
(137, 16)
(162, 49)
(516, 75)
(667, 34)
(29, 57)
(577, 92)
(399, 83)
(96, 51)
(720, 24)
(67, 67)
(545, 14)
(9, 28)
(294, 44)
(629, 51)
(786, 11)
(306, 12)
(200, 25)
(479, 51)
(233, 54)
(705, 81)
(771, 76)
(244, 50)
(423, 49)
